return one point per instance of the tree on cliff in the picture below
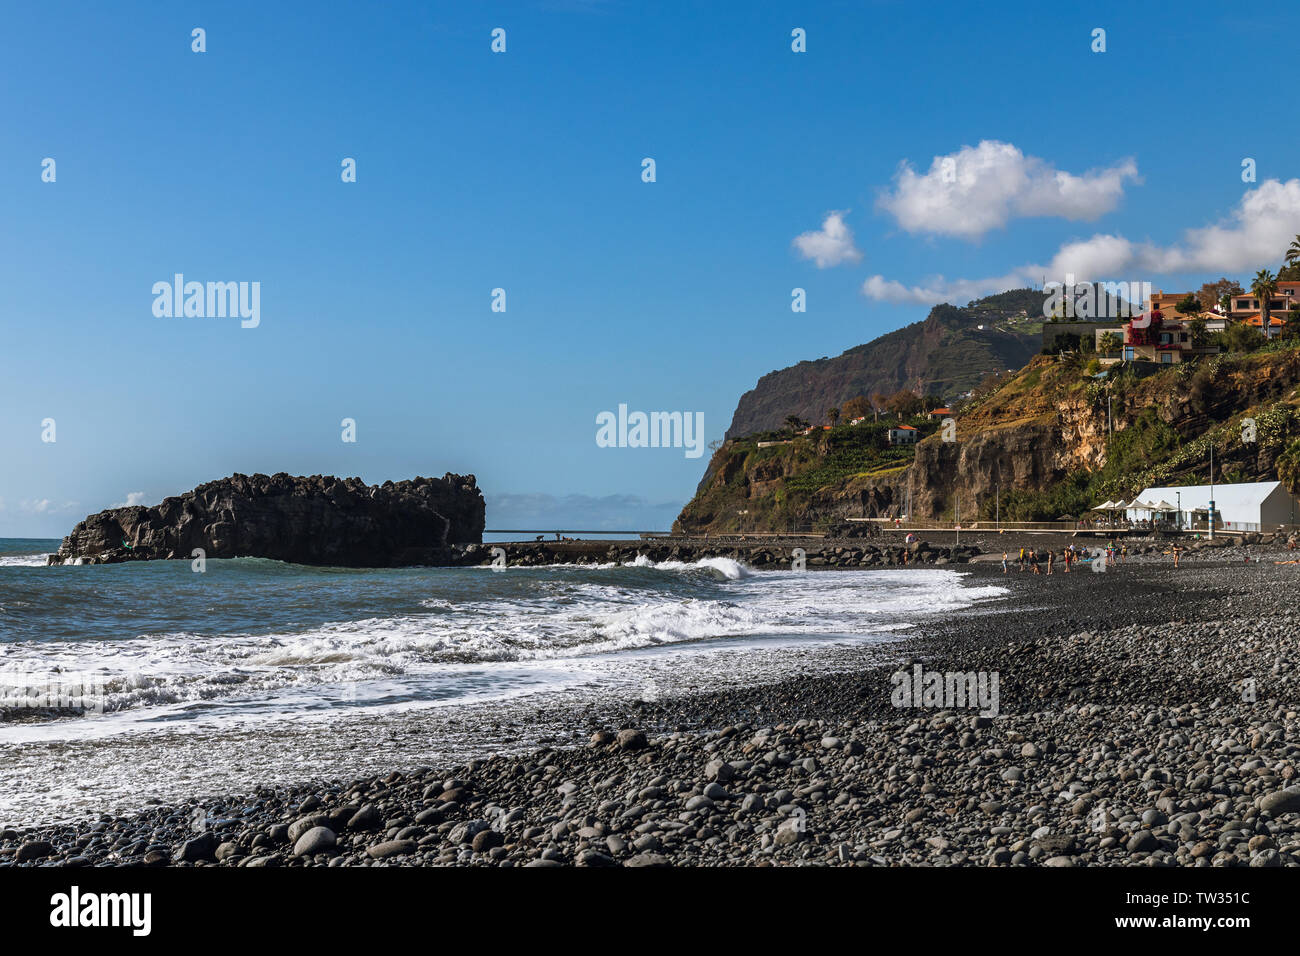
(1291, 271)
(1264, 286)
(1291, 331)
(1218, 293)
(1288, 467)
(903, 403)
(859, 407)
(1239, 337)
(833, 414)
(879, 403)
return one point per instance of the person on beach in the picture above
(1177, 551)
(1033, 560)
(1123, 553)
(1069, 556)
(1004, 562)
(1050, 556)
(1022, 559)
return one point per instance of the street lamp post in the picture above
(1211, 506)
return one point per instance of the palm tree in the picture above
(833, 414)
(1264, 286)
(1293, 252)
(1109, 342)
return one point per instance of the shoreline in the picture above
(1093, 668)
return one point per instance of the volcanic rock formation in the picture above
(319, 520)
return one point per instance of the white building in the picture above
(1249, 506)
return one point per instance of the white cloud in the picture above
(980, 188)
(938, 289)
(133, 498)
(832, 245)
(1254, 235)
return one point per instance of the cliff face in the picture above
(1035, 448)
(945, 355)
(318, 520)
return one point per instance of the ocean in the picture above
(206, 680)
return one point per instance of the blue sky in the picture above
(522, 171)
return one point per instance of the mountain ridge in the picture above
(944, 354)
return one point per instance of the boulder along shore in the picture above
(1146, 716)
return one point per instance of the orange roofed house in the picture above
(1246, 308)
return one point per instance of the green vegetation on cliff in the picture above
(1034, 445)
(778, 486)
(1246, 406)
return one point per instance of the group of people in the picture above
(1031, 559)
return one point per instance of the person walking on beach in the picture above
(1050, 556)
(1022, 559)
(1004, 562)
(1123, 553)
(1069, 556)
(1177, 552)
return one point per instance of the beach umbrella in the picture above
(1164, 506)
(1105, 507)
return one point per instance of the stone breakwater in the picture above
(1145, 720)
(817, 552)
(319, 520)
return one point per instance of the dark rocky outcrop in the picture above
(319, 520)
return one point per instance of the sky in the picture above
(909, 154)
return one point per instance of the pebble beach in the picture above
(1145, 717)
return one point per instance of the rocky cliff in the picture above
(319, 520)
(944, 355)
(1036, 447)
